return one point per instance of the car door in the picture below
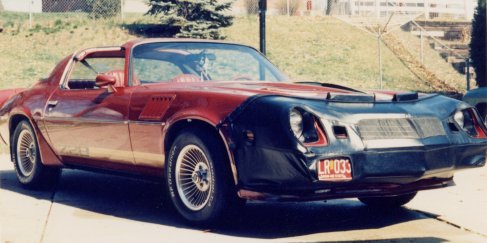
(88, 125)
(149, 110)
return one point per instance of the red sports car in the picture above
(220, 124)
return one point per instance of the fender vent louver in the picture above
(350, 98)
(156, 107)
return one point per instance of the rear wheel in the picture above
(28, 166)
(388, 201)
(199, 179)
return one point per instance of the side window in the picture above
(84, 72)
(155, 71)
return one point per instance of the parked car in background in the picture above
(220, 125)
(478, 99)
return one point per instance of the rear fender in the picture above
(6, 94)
(7, 98)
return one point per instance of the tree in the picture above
(193, 18)
(477, 44)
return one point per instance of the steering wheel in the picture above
(186, 78)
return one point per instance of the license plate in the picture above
(335, 170)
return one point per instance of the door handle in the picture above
(52, 103)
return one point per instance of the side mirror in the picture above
(103, 80)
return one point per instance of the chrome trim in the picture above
(67, 69)
(147, 123)
(80, 120)
(26, 153)
(101, 49)
(91, 120)
(194, 177)
(233, 167)
(52, 103)
(74, 58)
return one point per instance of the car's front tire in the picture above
(198, 177)
(27, 160)
(388, 201)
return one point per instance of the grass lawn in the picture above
(305, 48)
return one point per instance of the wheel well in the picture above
(181, 125)
(14, 121)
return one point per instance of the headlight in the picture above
(459, 118)
(296, 122)
(306, 129)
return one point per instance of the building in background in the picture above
(33, 6)
(455, 9)
(39, 6)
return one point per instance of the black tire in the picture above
(388, 201)
(30, 171)
(209, 192)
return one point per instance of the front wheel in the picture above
(198, 177)
(388, 201)
(28, 166)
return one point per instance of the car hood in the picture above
(285, 89)
(308, 90)
(252, 88)
(298, 90)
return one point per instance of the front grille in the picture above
(429, 127)
(400, 128)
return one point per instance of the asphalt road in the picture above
(89, 207)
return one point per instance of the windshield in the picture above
(196, 62)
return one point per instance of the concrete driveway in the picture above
(89, 207)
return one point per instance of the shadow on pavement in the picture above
(144, 201)
(398, 240)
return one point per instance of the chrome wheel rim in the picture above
(26, 152)
(193, 177)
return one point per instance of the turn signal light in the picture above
(478, 125)
(469, 121)
(320, 135)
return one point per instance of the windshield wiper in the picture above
(329, 85)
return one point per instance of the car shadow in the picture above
(144, 201)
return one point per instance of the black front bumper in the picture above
(419, 147)
(292, 175)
